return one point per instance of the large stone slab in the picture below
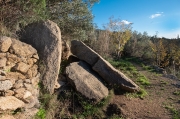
(86, 81)
(10, 103)
(83, 52)
(102, 67)
(114, 76)
(46, 38)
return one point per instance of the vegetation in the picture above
(73, 17)
(128, 68)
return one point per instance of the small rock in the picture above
(27, 81)
(5, 85)
(18, 84)
(35, 81)
(5, 43)
(10, 103)
(15, 75)
(22, 67)
(20, 93)
(3, 62)
(28, 86)
(2, 55)
(32, 102)
(35, 56)
(27, 94)
(2, 78)
(9, 93)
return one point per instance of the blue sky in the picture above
(146, 15)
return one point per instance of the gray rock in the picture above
(82, 77)
(114, 76)
(83, 52)
(5, 85)
(5, 43)
(10, 103)
(46, 38)
(102, 67)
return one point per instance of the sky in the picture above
(162, 16)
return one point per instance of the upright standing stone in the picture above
(46, 38)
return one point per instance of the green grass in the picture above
(176, 114)
(142, 80)
(176, 92)
(41, 114)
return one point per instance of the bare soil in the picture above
(162, 101)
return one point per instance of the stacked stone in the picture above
(19, 76)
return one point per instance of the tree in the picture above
(120, 34)
(74, 17)
(160, 51)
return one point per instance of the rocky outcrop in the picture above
(46, 38)
(19, 76)
(86, 81)
(102, 67)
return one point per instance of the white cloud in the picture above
(156, 15)
(126, 22)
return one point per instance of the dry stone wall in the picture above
(19, 76)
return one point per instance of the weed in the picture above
(143, 80)
(148, 68)
(63, 65)
(176, 93)
(141, 94)
(163, 82)
(41, 113)
(174, 111)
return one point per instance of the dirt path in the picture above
(162, 101)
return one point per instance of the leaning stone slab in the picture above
(102, 67)
(10, 103)
(84, 79)
(83, 52)
(114, 76)
(45, 37)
